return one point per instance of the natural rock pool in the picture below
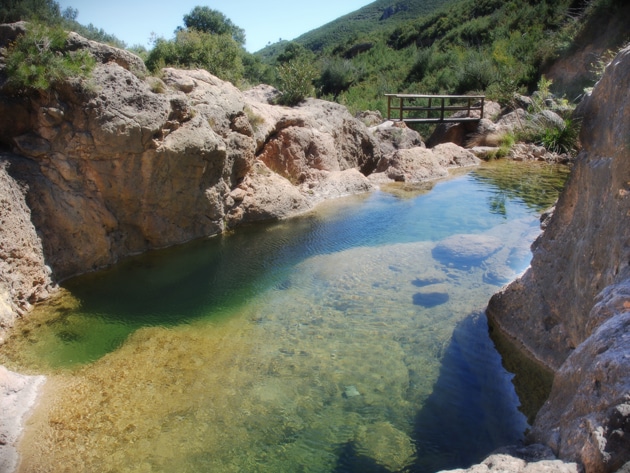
(351, 339)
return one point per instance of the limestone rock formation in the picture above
(24, 277)
(126, 164)
(18, 394)
(570, 309)
(393, 136)
(123, 163)
(530, 459)
(421, 164)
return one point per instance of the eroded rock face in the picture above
(24, 277)
(125, 164)
(570, 309)
(587, 417)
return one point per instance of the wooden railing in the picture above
(433, 108)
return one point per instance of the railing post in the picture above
(429, 107)
(401, 108)
(442, 110)
(482, 102)
(389, 107)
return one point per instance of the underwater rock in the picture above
(422, 282)
(350, 391)
(499, 275)
(466, 249)
(388, 446)
(430, 299)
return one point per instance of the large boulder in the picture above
(124, 163)
(569, 310)
(316, 135)
(393, 136)
(421, 164)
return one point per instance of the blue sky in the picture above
(133, 21)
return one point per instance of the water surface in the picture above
(339, 341)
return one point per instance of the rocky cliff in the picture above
(571, 309)
(97, 170)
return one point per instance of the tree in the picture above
(211, 21)
(16, 10)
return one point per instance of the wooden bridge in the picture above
(433, 108)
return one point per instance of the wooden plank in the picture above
(421, 96)
(447, 108)
(438, 120)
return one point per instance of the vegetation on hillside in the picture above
(49, 13)
(496, 47)
(38, 59)
(364, 24)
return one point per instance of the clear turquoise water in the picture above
(338, 341)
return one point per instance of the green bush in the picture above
(296, 80)
(561, 139)
(218, 54)
(31, 10)
(336, 77)
(476, 73)
(38, 60)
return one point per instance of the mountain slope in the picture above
(376, 16)
(372, 18)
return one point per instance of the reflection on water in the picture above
(334, 342)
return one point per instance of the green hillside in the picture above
(496, 47)
(361, 24)
(365, 22)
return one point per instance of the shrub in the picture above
(212, 21)
(336, 77)
(218, 54)
(561, 139)
(476, 73)
(42, 10)
(296, 80)
(558, 139)
(38, 60)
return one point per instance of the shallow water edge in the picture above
(343, 361)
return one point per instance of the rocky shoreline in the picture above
(90, 175)
(18, 396)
